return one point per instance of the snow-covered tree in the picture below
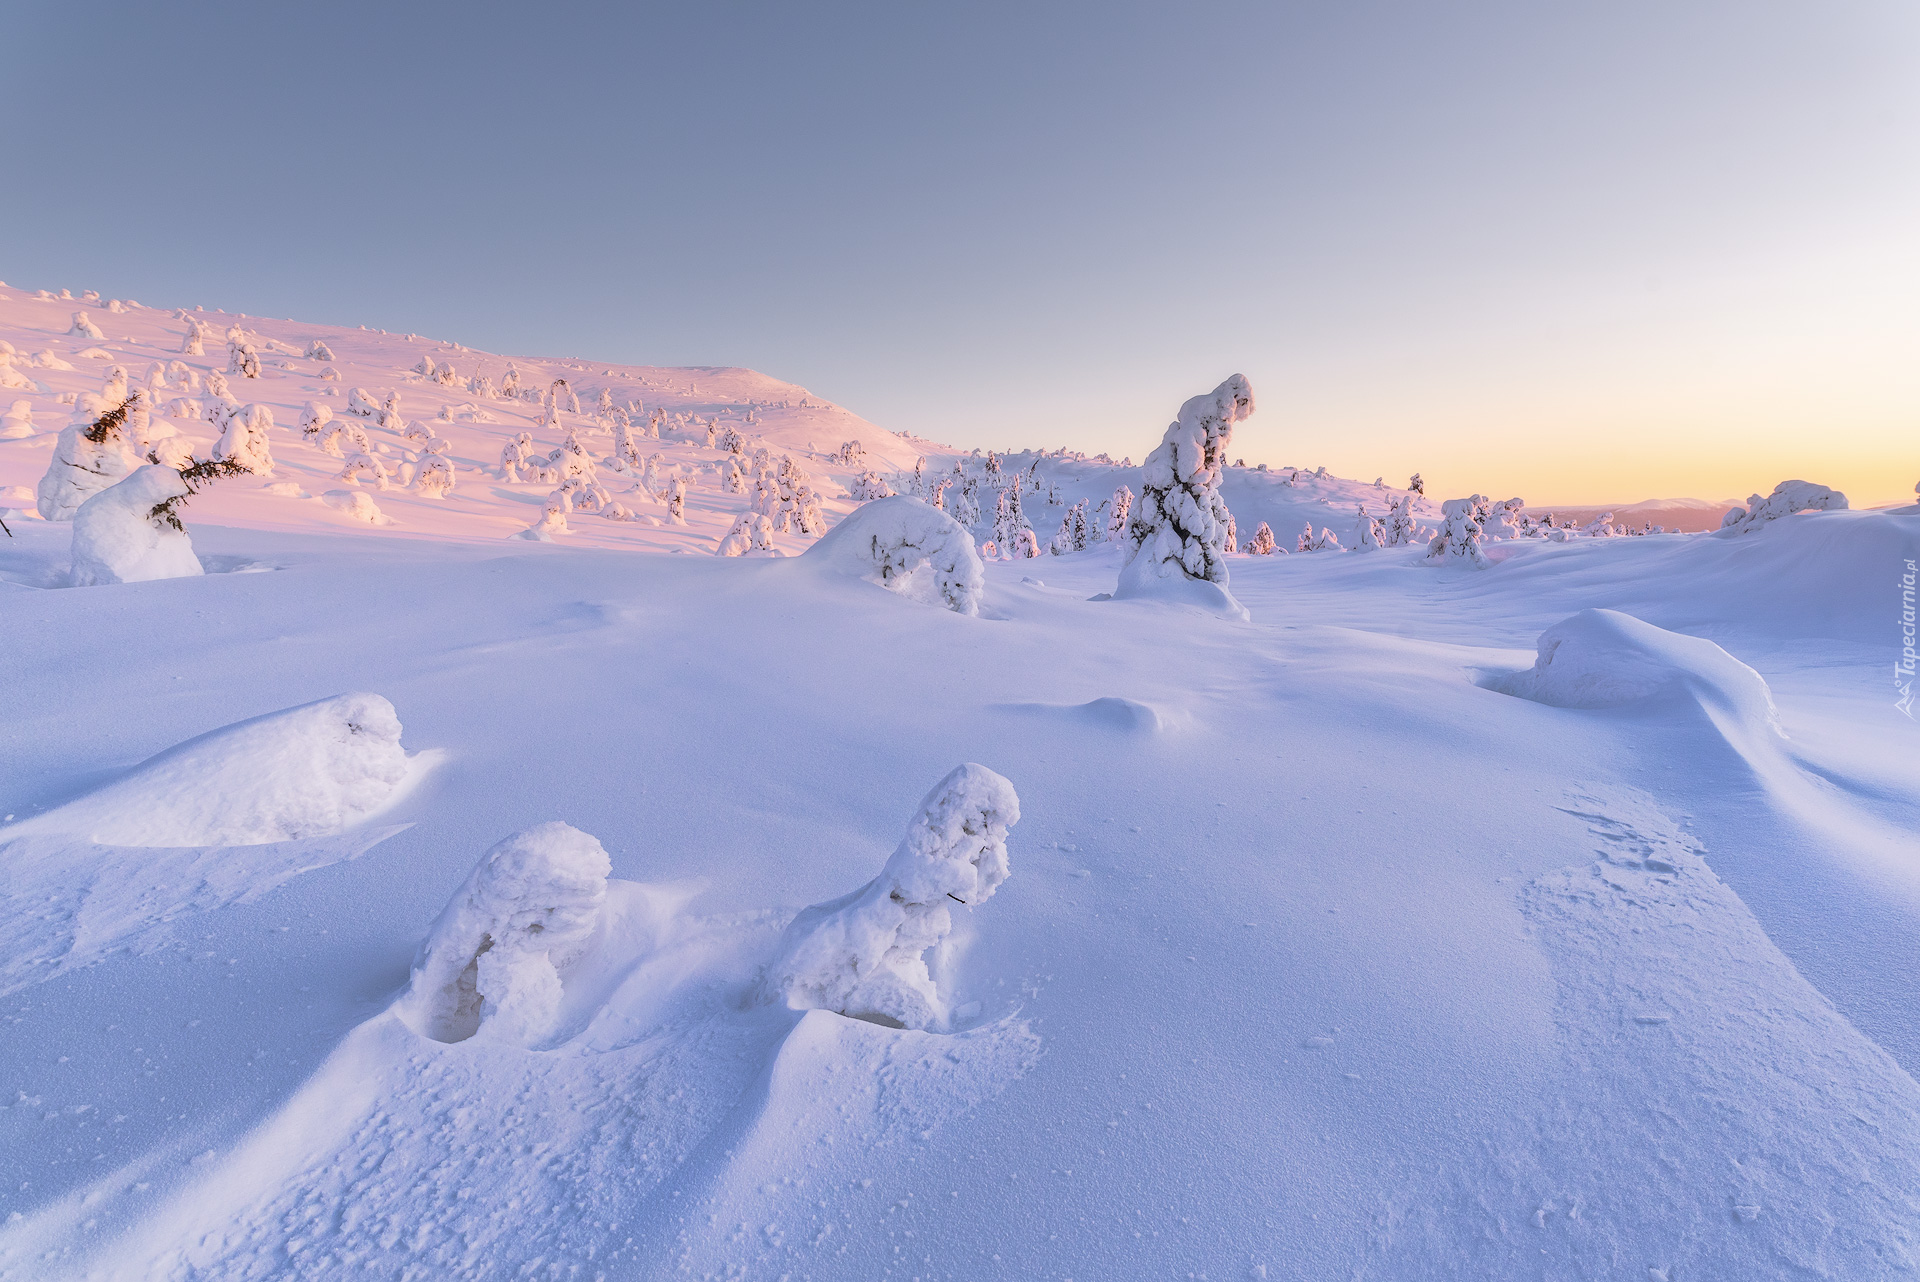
(1118, 517)
(319, 351)
(1178, 529)
(863, 954)
(1368, 533)
(364, 467)
(1401, 527)
(389, 416)
(130, 532)
(738, 540)
(1305, 542)
(242, 359)
(1502, 520)
(90, 455)
(731, 441)
(1415, 485)
(435, 478)
(1074, 534)
(244, 441)
(359, 401)
(314, 418)
(849, 451)
(1262, 542)
(1601, 527)
(17, 422)
(1458, 542)
(677, 501)
(1787, 498)
(1379, 482)
(1012, 534)
(194, 342)
(799, 505)
(1232, 540)
(963, 502)
(495, 964)
(731, 477)
(348, 430)
(83, 325)
(11, 378)
(869, 486)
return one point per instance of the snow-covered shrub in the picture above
(1368, 533)
(17, 421)
(445, 375)
(677, 501)
(319, 351)
(731, 477)
(245, 442)
(738, 540)
(358, 505)
(1119, 515)
(863, 954)
(83, 325)
(361, 402)
(242, 359)
(194, 341)
(894, 541)
(89, 456)
(1600, 527)
(389, 416)
(963, 501)
(130, 532)
(11, 378)
(1415, 485)
(1325, 541)
(1401, 528)
(514, 455)
(1075, 533)
(492, 967)
(731, 441)
(799, 505)
(435, 480)
(1262, 543)
(869, 486)
(1502, 520)
(1458, 542)
(1787, 498)
(185, 407)
(314, 419)
(1177, 531)
(362, 466)
(849, 451)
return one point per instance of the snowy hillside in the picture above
(417, 901)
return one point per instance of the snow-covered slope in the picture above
(1556, 919)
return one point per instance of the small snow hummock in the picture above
(889, 541)
(1458, 542)
(299, 772)
(1787, 498)
(1176, 535)
(863, 955)
(491, 968)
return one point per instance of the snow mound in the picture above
(890, 541)
(1787, 498)
(1110, 712)
(491, 966)
(117, 538)
(300, 772)
(863, 954)
(1606, 659)
(356, 504)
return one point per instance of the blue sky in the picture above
(1572, 251)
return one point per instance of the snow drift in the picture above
(891, 541)
(491, 967)
(1606, 659)
(863, 954)
(300, 772)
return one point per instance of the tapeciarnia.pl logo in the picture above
(1903, 666)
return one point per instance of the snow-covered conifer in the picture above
(194, 342)
(738, 540)
(1262, 543)
(1178, 528)
(11, 378)
(1458, 542)
(1502, 519)
(1012, 533)
(1416, 485)
(731, 477)
(863, 954)
(359, 401)
(319, 351)
(1074, 534)
(83, 325)
(90, 455)
(244, 441)
(677, 501)
(869, 486)
(1120, 514)
(1231, 543)
(731, 441)
(1401, 527)
(435, 478)
(849, 451)
(1379, 482)
(1305, 542)
(242, 359)
(1787, 498)
(1368, 533)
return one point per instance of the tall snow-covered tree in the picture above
(1074, 534)
(1416, 485)
(1012, 533)
(1179, 527)
(1458, 542)
(1121, 513)
(1368, 533)
(1262, 543)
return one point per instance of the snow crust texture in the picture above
(864, 954)
(492, 966)
(302, 772)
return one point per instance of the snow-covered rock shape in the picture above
(894, 541)
(1458, 542)
(123, 535)
(864, 954)
(1787, 498)
(300, 772)
(1606, 659)
(1176, 537)
(88, 457)
(491, 967)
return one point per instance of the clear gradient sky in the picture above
(1580, 252)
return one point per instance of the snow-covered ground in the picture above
(1367, 938)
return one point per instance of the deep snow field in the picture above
(1343, 942)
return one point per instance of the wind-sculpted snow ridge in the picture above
(301, 772)
(894, 541)
(1606, 659)
(864, 954)
(491, 967)
(1694, 1070)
